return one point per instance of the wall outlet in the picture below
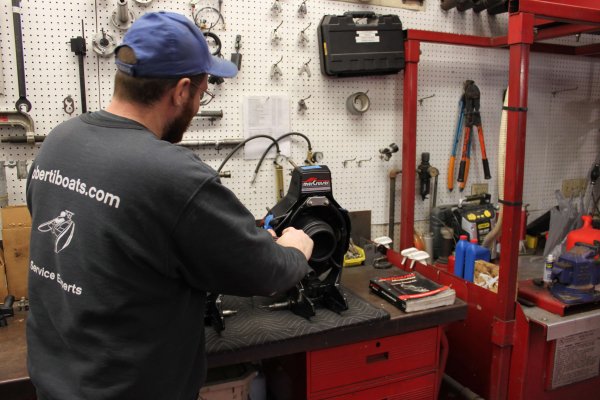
(479, 188)
(573, 187)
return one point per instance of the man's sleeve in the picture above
(218, 248)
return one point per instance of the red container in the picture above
(585, 234)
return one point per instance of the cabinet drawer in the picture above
(420, 388)
(372, 359)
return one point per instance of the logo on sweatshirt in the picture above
(62, 228)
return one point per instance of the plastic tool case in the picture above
(350, 47)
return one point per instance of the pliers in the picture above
(472, 119)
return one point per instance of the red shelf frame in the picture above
(533, 21)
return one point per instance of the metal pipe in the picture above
(392, 206)
(218, 143)
(24, 139)
(122, 11)
(409, 143)
(211, 114)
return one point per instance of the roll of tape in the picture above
(358, 103)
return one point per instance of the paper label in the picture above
(367, 37)
(576, 358)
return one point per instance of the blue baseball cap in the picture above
(169, 45)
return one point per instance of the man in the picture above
(130, 232)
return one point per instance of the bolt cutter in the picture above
(472, 119)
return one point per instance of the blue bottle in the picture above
(459, 256)
(473, 253)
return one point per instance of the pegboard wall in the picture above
(562, 132)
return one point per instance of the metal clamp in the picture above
(17, 118)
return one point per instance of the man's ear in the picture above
(181, 92)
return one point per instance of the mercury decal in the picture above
(316, 184)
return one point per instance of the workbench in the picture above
(400, 351)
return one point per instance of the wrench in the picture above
(22, 104)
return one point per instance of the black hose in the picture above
(218, 44)
(236, 148)
(276, 142)
(220, 17)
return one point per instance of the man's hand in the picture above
(292, 237)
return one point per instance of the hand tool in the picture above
(461, 185)
(68, 105)
(386, 153)
(17, 118)
(472, 119)
(22, 104)
(236, 57)
(78, 47)
(424, 177)
(433, 173)
(459, 127)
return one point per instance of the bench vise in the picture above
(576, 274)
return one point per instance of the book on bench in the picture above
(412, 291)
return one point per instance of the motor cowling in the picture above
(309, 205)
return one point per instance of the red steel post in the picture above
(520, 38)
(409, 143)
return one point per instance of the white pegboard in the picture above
(562, 136)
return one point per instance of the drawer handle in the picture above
(378, 357)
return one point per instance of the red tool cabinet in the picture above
(396, 367)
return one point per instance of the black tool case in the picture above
(348, 48)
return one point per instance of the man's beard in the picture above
(176, 128)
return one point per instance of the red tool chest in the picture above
(404, 366)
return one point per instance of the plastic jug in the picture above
(459, 256)
(585, 234)
(473, 253)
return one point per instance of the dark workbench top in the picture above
(13, 346)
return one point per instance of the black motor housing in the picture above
(309, 205)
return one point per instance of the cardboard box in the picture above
(486, 275)
(3, 286)
(16, 230)
(231, 382)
